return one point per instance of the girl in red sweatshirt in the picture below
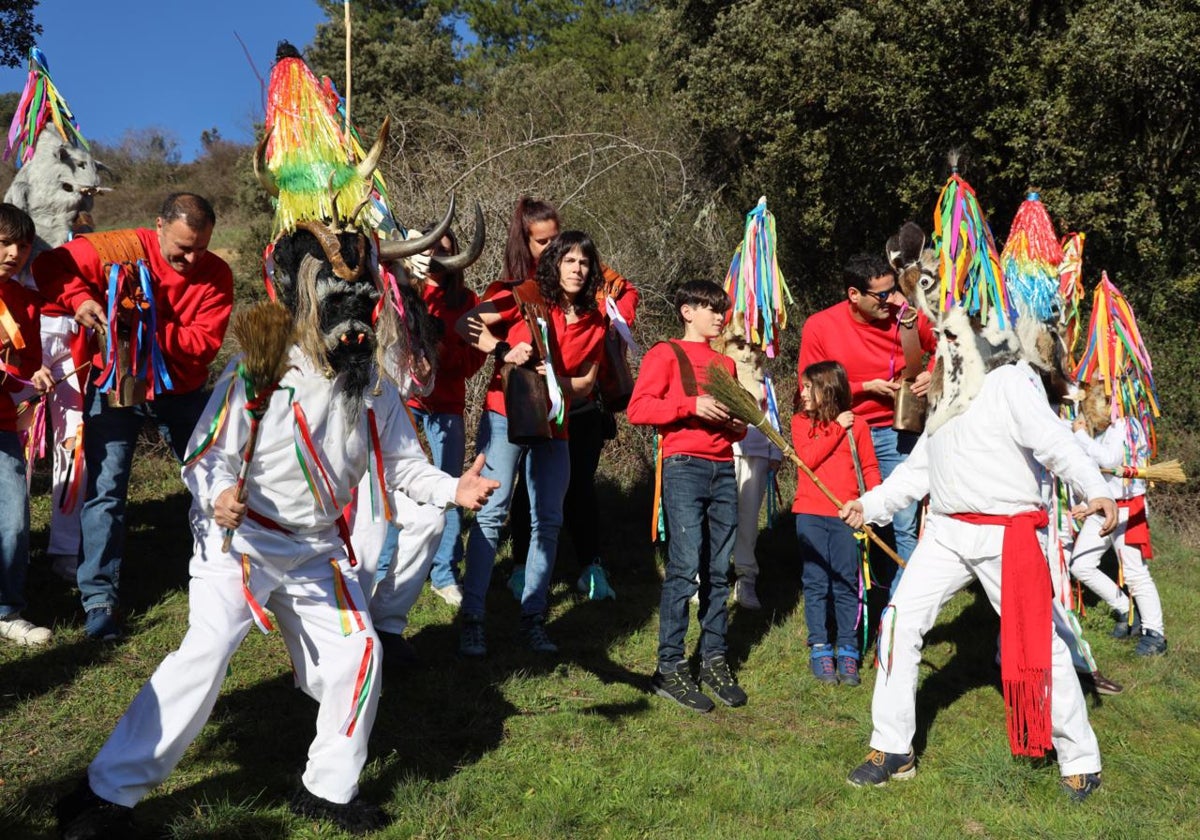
(826, 435)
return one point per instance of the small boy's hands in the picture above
(845, 419)
(707, 408)
(42, 381)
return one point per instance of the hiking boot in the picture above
(847, 666)
(451, 594)
(715, 673)
(516, 583)
(82, 815)
(22, 632)
(1123, 628)
(823, 667)
(534, 628)
(879, 767)
(65, 566)
(675, 683)
(594, 583)
(472, 640)
(744, 595)
(1151, 644)
(1081, 785)
(101, 625)
(354, 817)
(1100, 683)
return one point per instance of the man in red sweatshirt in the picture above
(180, 305)
(865, 333)
(699, 494)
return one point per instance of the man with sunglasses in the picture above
(863, 332)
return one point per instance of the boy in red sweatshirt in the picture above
(699, 494)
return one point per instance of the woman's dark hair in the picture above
(518, 259)
(452, 283)
(552, 257)
(830, 388)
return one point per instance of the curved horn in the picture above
(333, 249)
(261, 172)
(367, 167)
(458, 262)
(391, 250)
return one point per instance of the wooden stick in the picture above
(347, 130)
(25, 404)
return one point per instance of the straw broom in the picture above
(264, 333)
(1168, 472)
(741, 404)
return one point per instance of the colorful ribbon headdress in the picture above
(1070, 291)
(40, 103)
(1031, 259)
(756, 285)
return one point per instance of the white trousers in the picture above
(64, 413)
(752, 472)
(1085, 566)
(420, 535)
(946, 559)
(173, 706)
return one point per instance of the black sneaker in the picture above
(355, 817)
(715, 673)
(880, 767)
(534, 628)
(1100, 684)
(1081, 785)
(677, 684)
(1151, 644)
(82, 815)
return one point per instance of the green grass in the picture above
(576, 746)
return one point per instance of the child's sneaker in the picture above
(65, 566)
(847, 666)
(880, 767)
(516, 583)
(715, 673)
(26, 633)
(1124, 628)
(101, 624)
(1151, 644)
(745, 596)
(472, 640)
(534, 628)
(673, 682)
(823, 667)
(594, 583)
(1080, 785)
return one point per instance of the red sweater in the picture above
(457, 360)
(659, 400)
(192, 312)
(867, 351)
(22, 305)
(824, 449)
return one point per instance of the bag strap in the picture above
(533, 306)
(117, 246)
(687, 373)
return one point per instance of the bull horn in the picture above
(261, 172)
(332, 247)
(367, 167)
(391, 250)
(458, 262)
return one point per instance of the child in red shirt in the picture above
(827, 436)
(699, 494)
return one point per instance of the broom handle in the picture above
(240, 487)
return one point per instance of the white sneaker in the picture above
(744, 595)
(65, 566)
(451, 594)
(16, 629)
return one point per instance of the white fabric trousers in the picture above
(1085, 566)
(752, 472)
(935, 573)
(64, 415)
(173, 706)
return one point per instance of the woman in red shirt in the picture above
(572, 332)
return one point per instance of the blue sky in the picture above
(130, 64)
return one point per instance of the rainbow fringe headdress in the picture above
(40, 103)
(308, 154)
(379, 215)
(968, 264)
(1070, 291)
(756, 285)
(1116, 355)
(1031, 259)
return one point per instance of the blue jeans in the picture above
(14, 525)
(109, 439)
(547, 472)
(891, 450)
(700, 502)
(830, 576)
(447, 438)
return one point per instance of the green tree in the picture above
(18, 31)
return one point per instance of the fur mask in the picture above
(1096, 408)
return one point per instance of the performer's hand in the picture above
(1100, 505)
(1080, 424)
(90, 314)
(473, 489)
(42, 381)
(228, 512)
(852, 514)
(920, 385)
(707, 408)
(418, 266)
(845, 420)
(881, 388)
(520, 354)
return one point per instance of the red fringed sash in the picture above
(1137, 527)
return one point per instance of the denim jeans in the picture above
(700, 502)
(109, 439)
(14, 525)
(891, 450)
(447, 438)
(830, 576)
(547, 471)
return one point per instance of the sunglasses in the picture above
(883, 296)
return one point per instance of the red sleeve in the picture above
(70, 274)
(627, 302)
(812, 446)
(654, 401)
(22, 305)
(866, 453)
(200, 337)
